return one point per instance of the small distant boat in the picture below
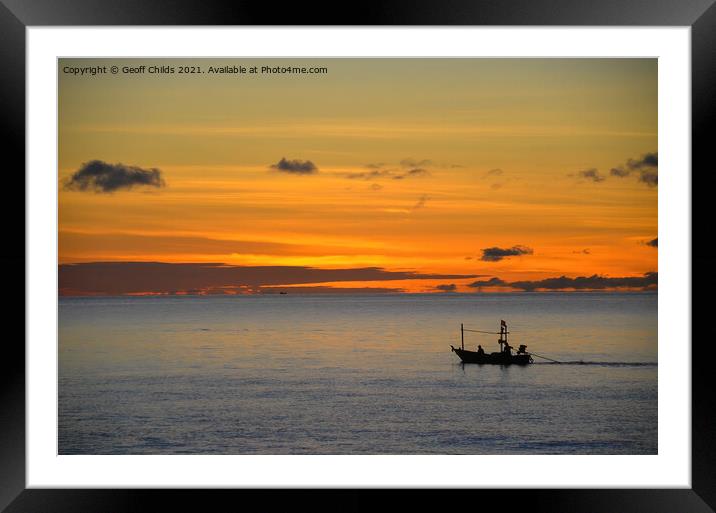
(504, 357)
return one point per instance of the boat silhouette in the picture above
(504, 357)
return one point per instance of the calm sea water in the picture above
(300, 374)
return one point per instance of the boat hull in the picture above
(492, 358)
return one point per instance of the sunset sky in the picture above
(446, 175)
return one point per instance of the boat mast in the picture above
(503, 334)
(462, 337)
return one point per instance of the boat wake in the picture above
(602, 364)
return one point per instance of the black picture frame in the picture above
(700, 15)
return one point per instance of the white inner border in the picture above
(670, 468)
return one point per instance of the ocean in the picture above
(356, 374)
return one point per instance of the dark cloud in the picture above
(495, 174)
(135, 246)
(118, 278)
(100, 176)
(591, 174)
(296, 166)
(418, 171)
(648, 160)
(421, 202)
(416, 163)
(649, 176)
(448, 287)
(619, 172)
(329, 290)
(492, 282)
(594, 282)
(387, 173)
(379, 170)
(407, 168)
(654, 243)
(495, 254)
(585, 251)
(368, 175)
(646, 168)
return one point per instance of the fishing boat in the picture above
(504, 357)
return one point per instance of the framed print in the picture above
(414, 249)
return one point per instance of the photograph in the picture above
(357, 256)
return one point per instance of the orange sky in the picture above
(420, 165)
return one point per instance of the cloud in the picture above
(594, 282)
(329, 290)
(416, 163)
(646, 167)
(119, 278)
(585, 251)
(648, 160)
(591, 174)
(296, 166)
(136, 246)
(492, 282)
(376, 186)
(100, 176)
(493, 175)
(496, 254)
(418, 171)
(387, 173)
(654, 243)
(415, 169)
(368, 175)
(649, 176)
(421, 202)
(619, 172)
